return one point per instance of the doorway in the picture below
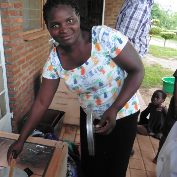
(5, 116)
(92, 11)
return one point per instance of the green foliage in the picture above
(154, 74)
(155, 30)
(155, 22)
(162, 52)
(167, 35)
(167, 20)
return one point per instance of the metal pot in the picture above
(4, 172)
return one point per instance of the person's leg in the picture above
(92, 166)
(121, 145)
(112, 151)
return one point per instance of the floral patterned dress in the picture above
(99, 80)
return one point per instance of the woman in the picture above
(103, 68)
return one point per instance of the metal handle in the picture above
(90, 133)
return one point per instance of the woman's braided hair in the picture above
(54, 3)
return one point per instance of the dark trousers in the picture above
(112, 151)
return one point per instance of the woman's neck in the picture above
(82, 40)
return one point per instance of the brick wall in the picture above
(24, 59)
(112, 8)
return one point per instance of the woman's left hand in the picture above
(108, 122)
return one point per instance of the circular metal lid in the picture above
(90, 133)
(4, 172)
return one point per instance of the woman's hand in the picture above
(108, 121)
(14, 150)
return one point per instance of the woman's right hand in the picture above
(14, 150)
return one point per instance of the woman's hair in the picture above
(54, 3)
(164, 95)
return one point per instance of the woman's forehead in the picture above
(62, 9)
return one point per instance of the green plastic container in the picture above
(168, 84)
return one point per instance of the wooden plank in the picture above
(30, 139)
(57, 164)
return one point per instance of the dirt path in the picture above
(166, 63)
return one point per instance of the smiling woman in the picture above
(105, 71)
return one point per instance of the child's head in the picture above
(158, 97)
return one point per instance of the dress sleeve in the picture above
(50, 69)
(110, 39)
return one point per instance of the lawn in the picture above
(163, 52)
(154, 74)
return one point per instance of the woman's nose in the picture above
(64, 28)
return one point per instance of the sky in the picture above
(168, 4)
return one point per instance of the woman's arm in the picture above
(129, 61)
(40, 106)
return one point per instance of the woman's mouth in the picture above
(66, 37)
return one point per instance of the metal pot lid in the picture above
(90, 133)
(4, 172)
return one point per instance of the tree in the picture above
(167, 19)
(155, 30)
(167, 35)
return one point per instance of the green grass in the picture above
(154, 74)
(163, 52)
(159, 37)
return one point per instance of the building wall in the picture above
(112, 9)
(25, 57)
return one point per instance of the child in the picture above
(157, 115)
(171, 117)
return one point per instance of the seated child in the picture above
(171, 117)
(157, 115)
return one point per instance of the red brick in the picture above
(18, 5)
(5, 5)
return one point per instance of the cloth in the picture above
(167, 159)
(99, 80)
(134, 21)
(155, 122)
(112, 151)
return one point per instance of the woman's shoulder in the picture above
(102, 29)
(105, 33)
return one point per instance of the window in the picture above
(32, 15)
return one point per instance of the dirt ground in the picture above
(147, 93)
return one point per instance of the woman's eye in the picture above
(70, 21)
(55, 26)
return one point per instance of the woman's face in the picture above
(64, 25)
